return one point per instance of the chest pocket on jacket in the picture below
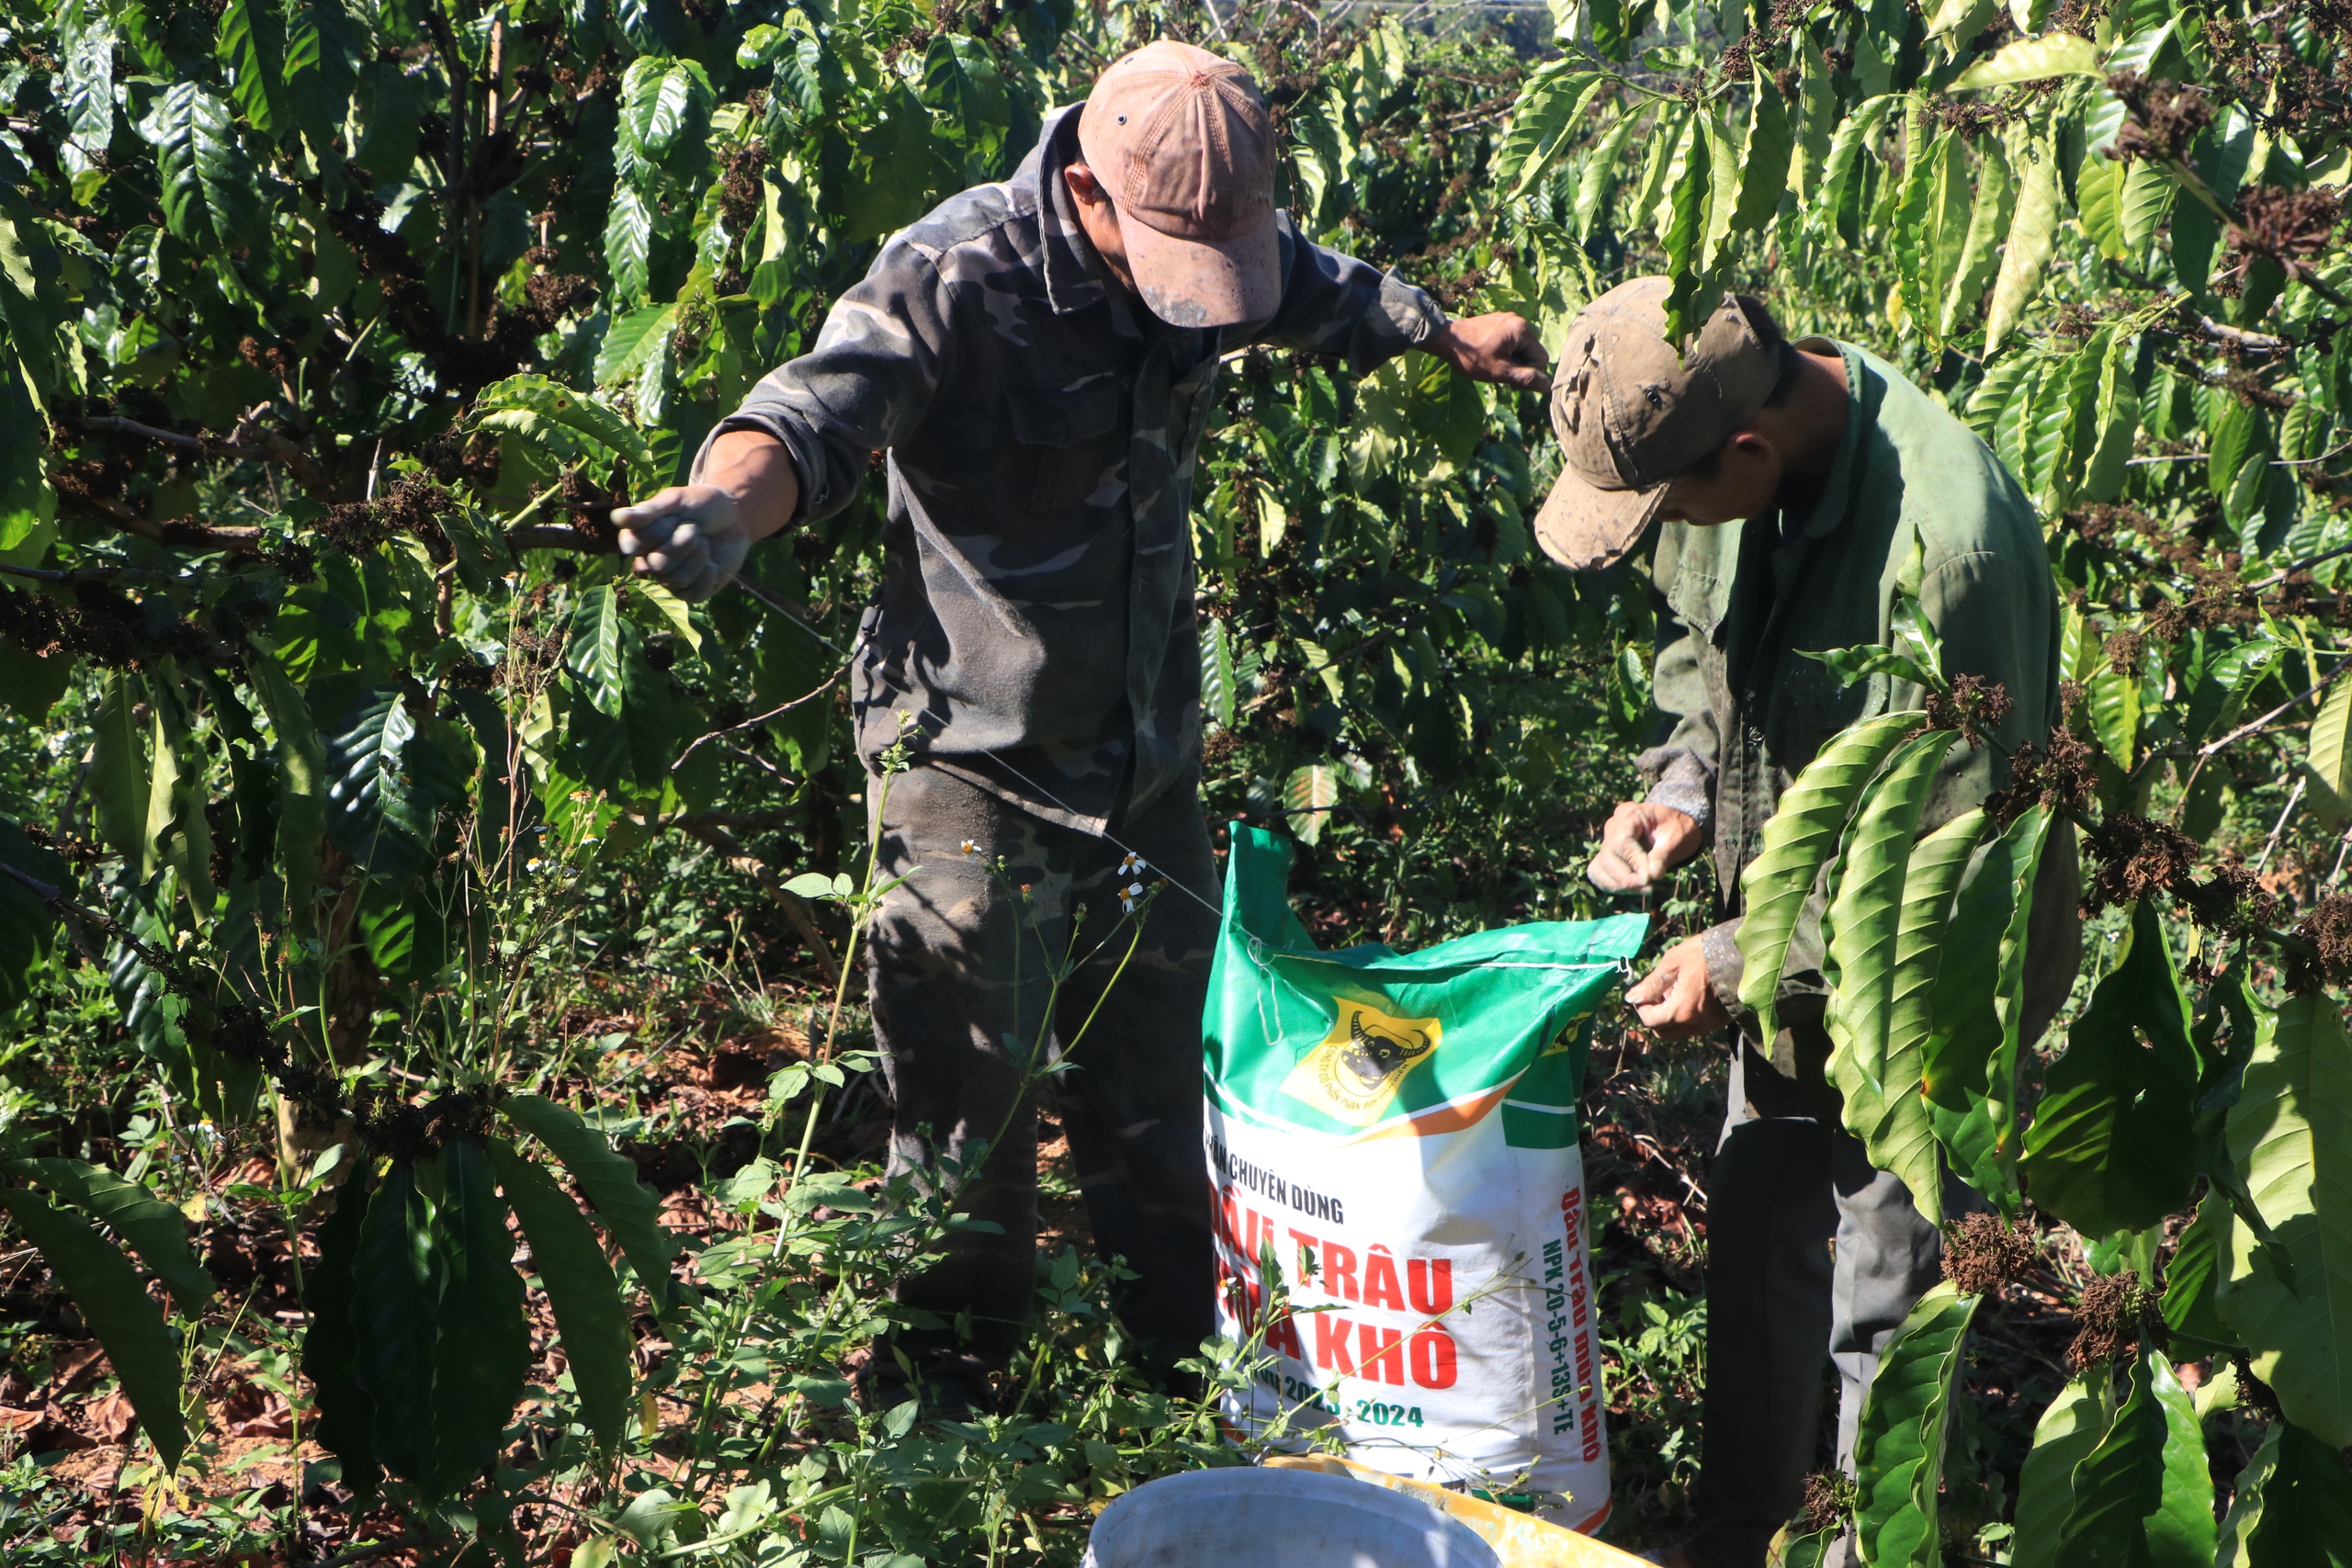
(1702, 599)
(1066, 439)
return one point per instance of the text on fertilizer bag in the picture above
(1232, 1170)
(1567, 1300)
(1427, 1356)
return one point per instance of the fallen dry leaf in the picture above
(75, 1367)
(110, 1419)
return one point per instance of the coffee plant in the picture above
(335, 330)
(2107, 236)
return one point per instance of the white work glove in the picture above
(689, 538)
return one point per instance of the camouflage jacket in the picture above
(1035, 613)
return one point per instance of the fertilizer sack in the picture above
(1394, 1138)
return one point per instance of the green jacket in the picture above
(1744, 712)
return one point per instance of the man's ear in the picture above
(1082, 183)
(1752, 445)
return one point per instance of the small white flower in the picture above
(1128, 894)
(1133, 863)
(970, 848)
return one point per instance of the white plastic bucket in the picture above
(1278, 1518)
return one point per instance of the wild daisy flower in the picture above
(1130, 894)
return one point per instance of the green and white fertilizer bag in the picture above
(1396, 1135)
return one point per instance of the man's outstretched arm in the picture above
(1335, 304)
(798, 446)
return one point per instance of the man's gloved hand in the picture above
(690, 538)
(1640, 844)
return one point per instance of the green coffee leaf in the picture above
(571, 426)
(1899, 1448)
(29, 925)
(1866, 660)
(2069, 1429)
(666, 107)
(1600, 172)
(629, 243)
(1550, 111)
(2033, 232)
(2293, 1505)
(2328, 762)
(2218, 698)
(2032, 60)
(154, 1229)
(330, 1344)
(1863, 927)
(1217, 694)
(211, 194)
(324, 47)
(625, 1207)
(600, 648)
(2141, 1495)
(301, 763)
(2195, 1272)
(1903, 1137)
(86, 78)
(1763, 155)
(2115, 712)
(2292, 1146)
(107, 1292)
(386, 785)
(250, 39)
(591, 1320)
(482, 1349)
(120, 777)
(2111, 1148)
(1798, 840)
(1309, 794)
(396, 1293)
(1989, 223)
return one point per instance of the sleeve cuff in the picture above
(1684, 783)
(1411, 311)
(1719, 946)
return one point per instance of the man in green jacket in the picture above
(1786, 482)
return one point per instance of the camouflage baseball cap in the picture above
(1182, 141)
(1632, 412)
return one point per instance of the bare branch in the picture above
(796, 908)
(180, 533)
(271, 447)
(556, 536)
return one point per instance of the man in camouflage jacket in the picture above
(1038, 359)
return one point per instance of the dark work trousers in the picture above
(960, 960)
(1810, 1252)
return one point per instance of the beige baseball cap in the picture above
(1182, 141)
(1633, 411)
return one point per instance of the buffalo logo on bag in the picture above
(1353, 1074)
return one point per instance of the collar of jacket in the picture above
(1864, 392)
(1786, 553)
(1073, 271)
